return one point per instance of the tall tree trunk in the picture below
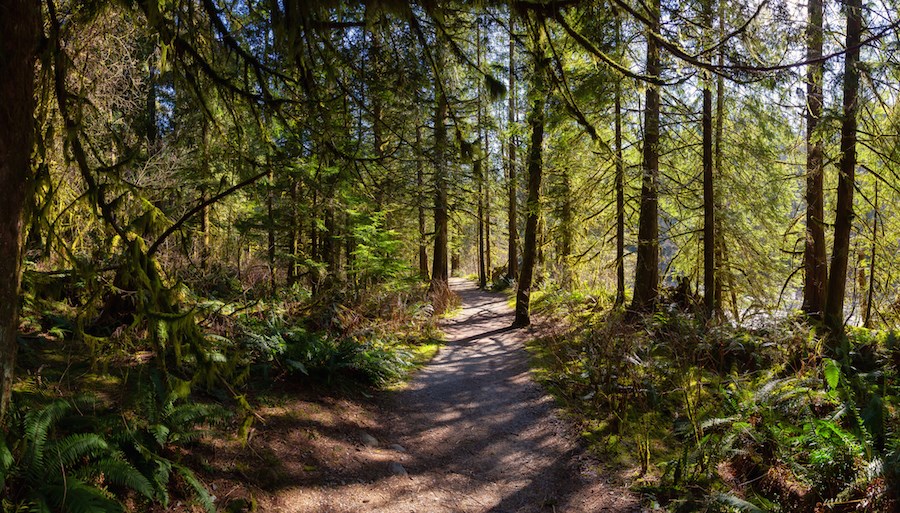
(152, 111)
(620, 184)
(486, 169)
(377, 74)
(867, 316)
(815, 263)
(270, 228)
(420, 199)
(440, 274)
(646, 277)
(478, 166)
(538, 97)
(20, 30)
(294, 232)
(566, 228)
(722, 270)
(204, 213)
(314, 249)
(479, 177)
(709, 208)
(204, 232)
(330, 243)
(512, 270)
(349, 250)
(837, 281)
(487, 207)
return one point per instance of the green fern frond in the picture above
(73, 448)
(124, 474)
(37, 431)
(200, 492)
(161, 475)
(186, 416)
(736, 503)
(6, 462)
(75, 496)
(160, 433)
(723, 422)
(39, 507)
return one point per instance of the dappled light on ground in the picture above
(472, 433)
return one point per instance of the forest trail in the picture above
(473, 431)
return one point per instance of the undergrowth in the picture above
(164, 369)
(717, 418)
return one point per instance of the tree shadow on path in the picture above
(473, 431)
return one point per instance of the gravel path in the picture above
(471, 433)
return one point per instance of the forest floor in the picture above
(471, 432)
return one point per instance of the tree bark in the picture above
(479, 176)
(486, 169)
(709, 208)
(538, 96)
(566, 229)
(330, 243)
(20, 30)
(487, 208)
(815, 262)
(620, 185)
(270, 229)
(512, 269)
(646, 277)
(837, 281)
(420, 199)
(478, 169)
(294, 232)
(867, 316)
(440, 274)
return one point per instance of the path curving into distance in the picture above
(472, 432)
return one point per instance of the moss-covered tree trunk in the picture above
(440, 274)
(620, 184)
(478, 170)
(19, 33)
(814, 258)
(487, 207)
(420, 199)
(295, 231)
(538, 97)
(512, 269)
(646, 276)
(843, 221)
(709, 205)
(479, 177)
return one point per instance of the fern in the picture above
(49, 472)
(122, 473)
(736, 503)
(37, 428)
(200, 491)
(73, 448)
(76, 496)
(165, 422)
(6, 462)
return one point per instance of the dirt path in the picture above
(473, 431)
